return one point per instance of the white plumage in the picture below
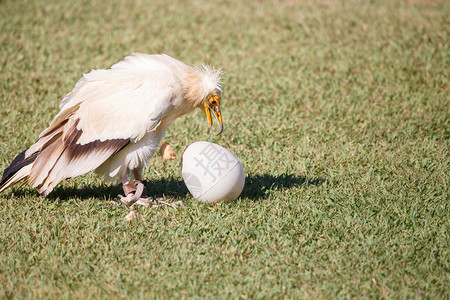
(113, 120)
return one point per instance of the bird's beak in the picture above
(212, 105)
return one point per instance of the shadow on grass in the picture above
(261, 186)
(256, 187)
(168, 187)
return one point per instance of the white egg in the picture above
(212, 173)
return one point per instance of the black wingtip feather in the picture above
(18, 163)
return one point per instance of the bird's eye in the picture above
(214, 100)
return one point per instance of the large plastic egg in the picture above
(212, 173)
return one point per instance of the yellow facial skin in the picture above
(212, 104)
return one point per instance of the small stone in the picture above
(167, 152)
(133, 216)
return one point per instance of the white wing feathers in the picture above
(118, 104)
(105, 111)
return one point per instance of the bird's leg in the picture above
(137, 173)
(136, 193)
(133, 191)
(144, 199)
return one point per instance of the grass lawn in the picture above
(338, 111)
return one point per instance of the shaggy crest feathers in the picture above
(201, 82)
(212, 77)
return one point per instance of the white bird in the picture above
(113, 121)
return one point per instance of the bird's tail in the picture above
(19, 169)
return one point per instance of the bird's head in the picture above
(203, 88)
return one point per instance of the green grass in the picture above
(338, 110)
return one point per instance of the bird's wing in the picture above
(121, 102)
(106, 110)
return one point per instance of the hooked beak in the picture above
(215, 109)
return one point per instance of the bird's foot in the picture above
(133, 190)
(136, 194)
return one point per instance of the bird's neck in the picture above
(193, 93)
(180, 107)
(194, 90)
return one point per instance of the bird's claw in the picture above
(177, 204)
(133, 198)
(155, 202)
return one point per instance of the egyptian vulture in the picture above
(113, 120)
